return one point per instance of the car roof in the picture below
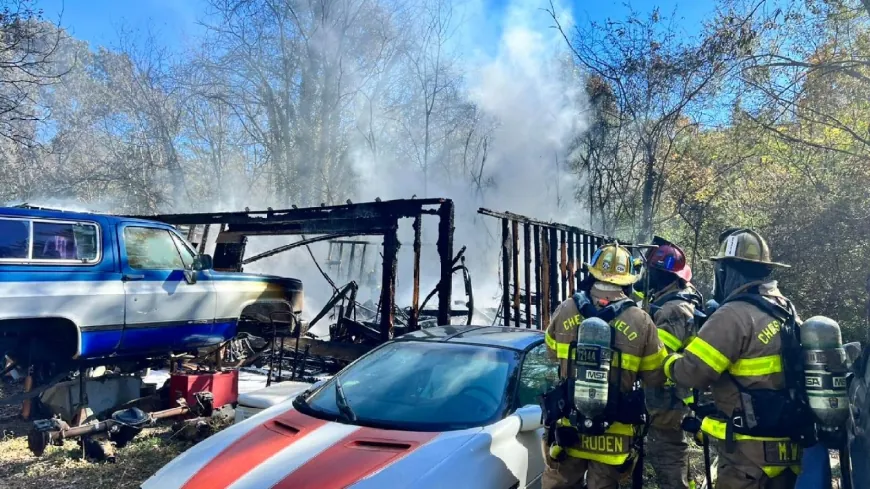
(499, 336)
(45, 213)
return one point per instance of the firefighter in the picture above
(606, 457)
(739, 353)
(673, 303)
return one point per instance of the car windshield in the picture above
(423, 386)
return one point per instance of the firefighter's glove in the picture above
(581, 300)
(556, 452)
(692, 425)
(567, 436)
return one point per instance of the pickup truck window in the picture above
(151, 249)
(64, 241)
(47, 241)
(187, 255)
(14, 239)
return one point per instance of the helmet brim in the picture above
(747, 260)
(612, 278)
(685, 273)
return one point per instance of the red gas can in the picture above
(223, 385)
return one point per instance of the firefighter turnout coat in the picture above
(739, 345)
(642, 357)
(675, 322)
(668, 449)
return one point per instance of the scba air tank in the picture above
(825, 371)
(593, 367)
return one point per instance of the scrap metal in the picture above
(121, 430)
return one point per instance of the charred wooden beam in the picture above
(554, 270)
(524, 219)
(445, 253)
(388, 281)
(204, 239)
(515, 250)
(505, 272)
(362, 260)
(415, 300)
(527, 271)
(350, 260)
(538, 283)
(571, 263)
(544, 308)
(395, 209)
(563, 265)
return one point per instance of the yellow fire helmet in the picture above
(748, 246)
(613, 264)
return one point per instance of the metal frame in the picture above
(553, 252)
(379, 218)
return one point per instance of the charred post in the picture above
(515, 242)
(351, 262)
(554, 270)
(362, 262)
(527, 271)
(505, 273)
(445, 253)
(538, 285)
(415, 301)
(544, 296)
(388, 281)
(563, 265)
(571, 263)
(202, 243)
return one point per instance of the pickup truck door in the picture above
(163, 311)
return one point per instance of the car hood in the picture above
(283, 448)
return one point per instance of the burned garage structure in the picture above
(349, 337)
(551, 258)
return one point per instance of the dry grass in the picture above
(63, 467)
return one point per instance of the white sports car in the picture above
(447, 407)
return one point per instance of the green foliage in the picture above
(787, 152)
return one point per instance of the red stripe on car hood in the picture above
(358, 455)
(252, 449)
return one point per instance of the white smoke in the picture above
(531, 92)
(518, 74)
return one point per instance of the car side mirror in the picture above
(203, 262)
(531, 418)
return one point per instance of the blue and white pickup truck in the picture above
(79, 287)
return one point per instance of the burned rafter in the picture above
(363, 219)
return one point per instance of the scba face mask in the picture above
(719, 283)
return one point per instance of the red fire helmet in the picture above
(670, 258)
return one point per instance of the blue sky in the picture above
(175, 21)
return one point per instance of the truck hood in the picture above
(287, 282)
(282, 448)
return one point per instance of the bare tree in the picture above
(656, 75)
(27, 45)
